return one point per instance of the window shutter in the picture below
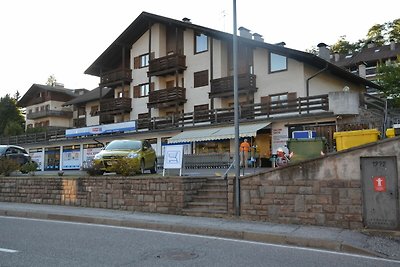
(152, 87)
(136, 91)
(265, 104)
(292, 99)
(152, 55)
(136, 63)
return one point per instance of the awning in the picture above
(217, 133)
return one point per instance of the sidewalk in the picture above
(373, 243)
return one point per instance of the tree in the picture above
(342, 46)
(51, 81)
(394, 30)
(378, 33)
(9, 112)
(389, 78)
(13, 128)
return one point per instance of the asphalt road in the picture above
(31, 242)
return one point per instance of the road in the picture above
(31, 242)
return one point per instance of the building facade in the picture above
(171, 82)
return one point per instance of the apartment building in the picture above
(171, 82)
(364, 63)
(44, 106)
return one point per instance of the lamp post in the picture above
(236, 114)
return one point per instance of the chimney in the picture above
(323, 51)
(362, 72)
(185, 19)
(258, 37)
(337, 56)
(243, 32)
(370, 44)
(281, 44)
(392, 45)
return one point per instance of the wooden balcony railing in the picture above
(167, 97)
(260, 111)
(115, 77)
(114, 106)
(167, 65)
(49, 113)
(223, 87)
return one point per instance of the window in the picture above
(94, 110)
(201, 43)
(275, 100)
(141, 61)
(144, 60)
(277, 62)
(141, 90)
(201, 78)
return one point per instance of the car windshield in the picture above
(124, 145)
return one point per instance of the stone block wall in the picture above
(326, 191)
(147, 194)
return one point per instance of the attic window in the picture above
(349, 56)
(377, 50)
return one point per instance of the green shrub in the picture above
(7, 166)
(93, 168)
(29, 167)
(126, 166)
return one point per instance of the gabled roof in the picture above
(37, 88)
(89, 96)
(113, 54)
(369, 54)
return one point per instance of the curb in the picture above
(279, 239)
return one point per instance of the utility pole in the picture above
(236, 114)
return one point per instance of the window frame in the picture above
(271, 61)
(196, 50)
(142, 60)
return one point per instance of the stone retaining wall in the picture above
(161, 195)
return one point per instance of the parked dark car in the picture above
(16, 153)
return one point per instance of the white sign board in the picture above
(173, 157)
(279, 137)
(71, 159)
(38, 158)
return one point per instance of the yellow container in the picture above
(345, 140)
(390, 133)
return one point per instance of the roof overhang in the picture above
(217, 133)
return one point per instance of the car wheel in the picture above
(142, 166)
(154, 168)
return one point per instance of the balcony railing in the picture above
(167, 97)
(167, 65)
(223, 87)
(49, 113)
(308, 106)
(115, 77)
(114, 106)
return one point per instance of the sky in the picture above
(63, 38)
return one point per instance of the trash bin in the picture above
(304, 149)
(346, 140)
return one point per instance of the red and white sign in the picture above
(379, 183)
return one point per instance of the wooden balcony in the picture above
(167, 97)
(49, 113)
(167, 65)
(116, 77)
(223, 87)
(115, 106)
